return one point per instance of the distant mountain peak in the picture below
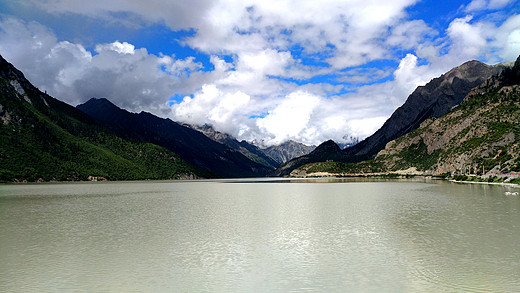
(328, 146)
(99, 102)
(288, 151)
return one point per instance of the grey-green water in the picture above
(259, 236)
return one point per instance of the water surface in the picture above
(259, 236)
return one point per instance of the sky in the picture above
(263, 71)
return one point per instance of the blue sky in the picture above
(264, 71)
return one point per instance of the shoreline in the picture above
(397, 175)
(487, 183)
(323, 176)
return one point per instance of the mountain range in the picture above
(272, 156)
(191, 145)
(432, 100)
(44, 139)
(480, 136)
(201, 146)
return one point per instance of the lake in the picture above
(259, 236)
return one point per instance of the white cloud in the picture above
(175, 14)
(291, 119)
(467, 39)
(351, 32)
(131, 78)
(182, 67)
(507, 38)
(210, 105)
(478, 5)
(299, 116)
(409, 76)
(122, 48)
(266, 62)
(409, 34)
(512, 47)
(366, 126)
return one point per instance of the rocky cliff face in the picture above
(287, 151)
(483, 133)
(433, 100)
(272, 156)
(327, 151)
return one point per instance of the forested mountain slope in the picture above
(43, 139)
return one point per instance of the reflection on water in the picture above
(256, 236)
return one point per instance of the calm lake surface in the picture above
(259, 236)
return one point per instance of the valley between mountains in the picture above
(465, 121)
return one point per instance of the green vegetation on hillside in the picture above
(480, 135)
(44, 139)
(489, 140)
(341, 167)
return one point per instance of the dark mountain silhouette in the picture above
(191, 145)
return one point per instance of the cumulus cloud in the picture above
(131, 78)
(211, 105)
(175, 14)
(506, 38)
(410, 34)
(409, 76)
(291, 119)
(300, 115)
(477, 5)
(121, 48)
(349, 31)
(467, 39)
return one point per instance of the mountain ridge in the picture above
(44, 139)
(190, 144)
(481, 136)
(251, 151)
(434, 99)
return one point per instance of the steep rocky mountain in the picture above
(483, 133)
(434, 99)
(249, 150)
(43, 139)
(272, 156)
(287, 151)
(481, 136)
(191, 145)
